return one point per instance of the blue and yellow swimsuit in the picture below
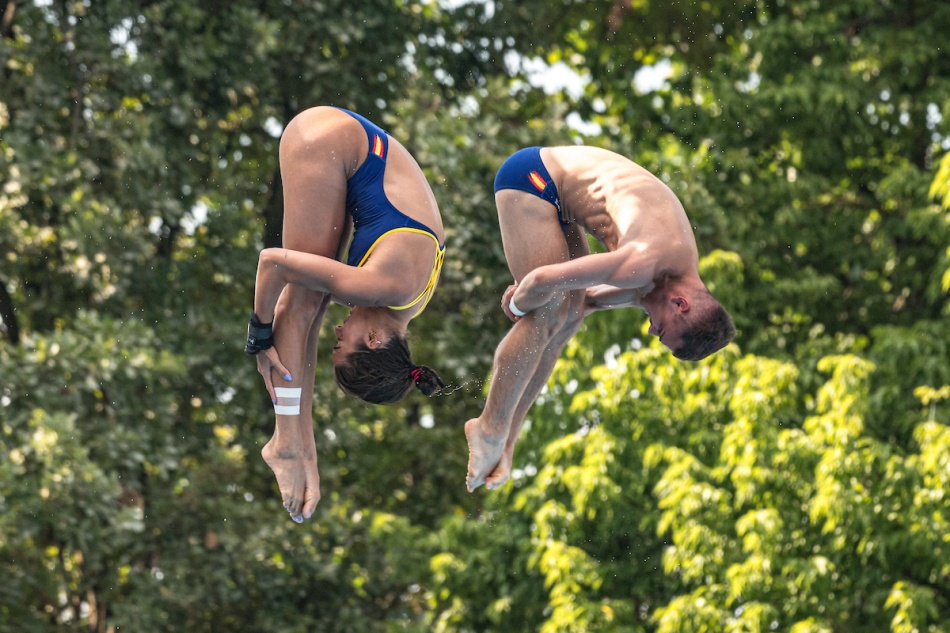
(375, 217)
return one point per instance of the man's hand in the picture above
(506, 302)
(267, 362)
(532, 295)
(605, 297)
(590, 302)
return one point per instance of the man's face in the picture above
(667, 325)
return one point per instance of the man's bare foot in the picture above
(295, 466)
(502, 471)
(484, 453)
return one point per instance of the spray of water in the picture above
(448, 390)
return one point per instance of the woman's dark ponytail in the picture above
(385, 375)
(427, 381)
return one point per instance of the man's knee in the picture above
(573, 311)
(553, 317)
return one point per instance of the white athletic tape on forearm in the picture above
(288, 401)
(514, 309)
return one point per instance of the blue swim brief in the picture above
(524, 171)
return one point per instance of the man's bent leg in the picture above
(516, 361)
(542, 373)
(532, 237)
(577, 246)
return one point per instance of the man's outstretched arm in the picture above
(627, 268)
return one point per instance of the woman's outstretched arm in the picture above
(278, 267)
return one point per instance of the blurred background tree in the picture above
(797, 481)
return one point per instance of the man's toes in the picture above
(472, 483)
(494, 482)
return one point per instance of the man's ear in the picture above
(373, 342)
(681, 303)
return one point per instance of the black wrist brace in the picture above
(260, 336)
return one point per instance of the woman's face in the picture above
(361, 326)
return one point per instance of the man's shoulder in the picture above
(664, 255)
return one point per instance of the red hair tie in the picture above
(416, 373)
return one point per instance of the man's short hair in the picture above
(710, 329)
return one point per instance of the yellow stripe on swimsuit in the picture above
(429, 290)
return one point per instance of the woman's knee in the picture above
(301, 303)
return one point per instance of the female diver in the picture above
(342, 176)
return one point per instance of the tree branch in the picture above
(274, 212)
(9, 325)
(6, 20)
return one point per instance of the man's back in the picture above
(620, 202)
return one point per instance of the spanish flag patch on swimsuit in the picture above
(537, 180)
(377, 145)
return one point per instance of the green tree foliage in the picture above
(798, 481)
(723, 496)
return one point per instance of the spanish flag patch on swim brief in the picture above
(537, 180)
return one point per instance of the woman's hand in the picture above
(267, 362)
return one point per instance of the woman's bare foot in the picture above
(295, 466)
(484, 454)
